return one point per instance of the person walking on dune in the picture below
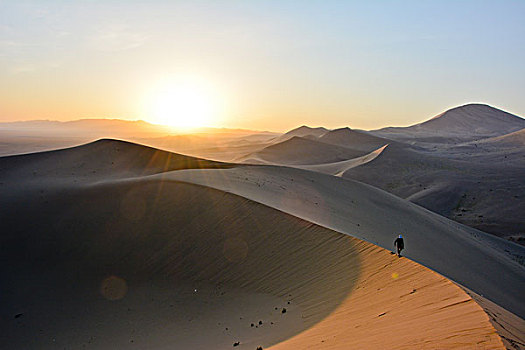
(399, 244)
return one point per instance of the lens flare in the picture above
(113, 288)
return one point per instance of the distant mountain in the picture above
(90, 128)
(42, 135)
(468, 122)
(358, 140)
(99, 128)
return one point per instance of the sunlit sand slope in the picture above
(175, 265)
(397, 304)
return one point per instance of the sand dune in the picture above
(471, 121)
(164, 280)
(487, 262)
(473, 185)
(301, 151)
(339, 168)
(135, 258)
(101, 159)
(140, 232)
(514, 139)
(302, 131)
(358, 140)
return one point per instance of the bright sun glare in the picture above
(185, 105)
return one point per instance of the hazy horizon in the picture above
(261, 66)
(174, 130)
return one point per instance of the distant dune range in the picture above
(467, 163)
(113, 244)
(435, 164)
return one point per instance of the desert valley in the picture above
(122, 235)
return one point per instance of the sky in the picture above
(264, 65)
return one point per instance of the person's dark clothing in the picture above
(399, 243)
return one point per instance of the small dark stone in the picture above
(237, 343)
(288, 303)
(260, 322)
(284, 310)
(18, 315)
(259, 348)
(252, 325)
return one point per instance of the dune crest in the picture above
(174, 245)
(339, 168)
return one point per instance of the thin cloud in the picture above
(117, 39)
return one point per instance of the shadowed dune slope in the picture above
(159, 236)
(301, 151)
(156, 265)
(358, 140)
(514, 139)
(483, 191)
(97, 161)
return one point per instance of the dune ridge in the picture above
(339, 168)
(305, 268)
(176, 243)
(376, 216)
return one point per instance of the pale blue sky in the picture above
(275, 64)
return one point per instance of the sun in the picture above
(184, 105)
